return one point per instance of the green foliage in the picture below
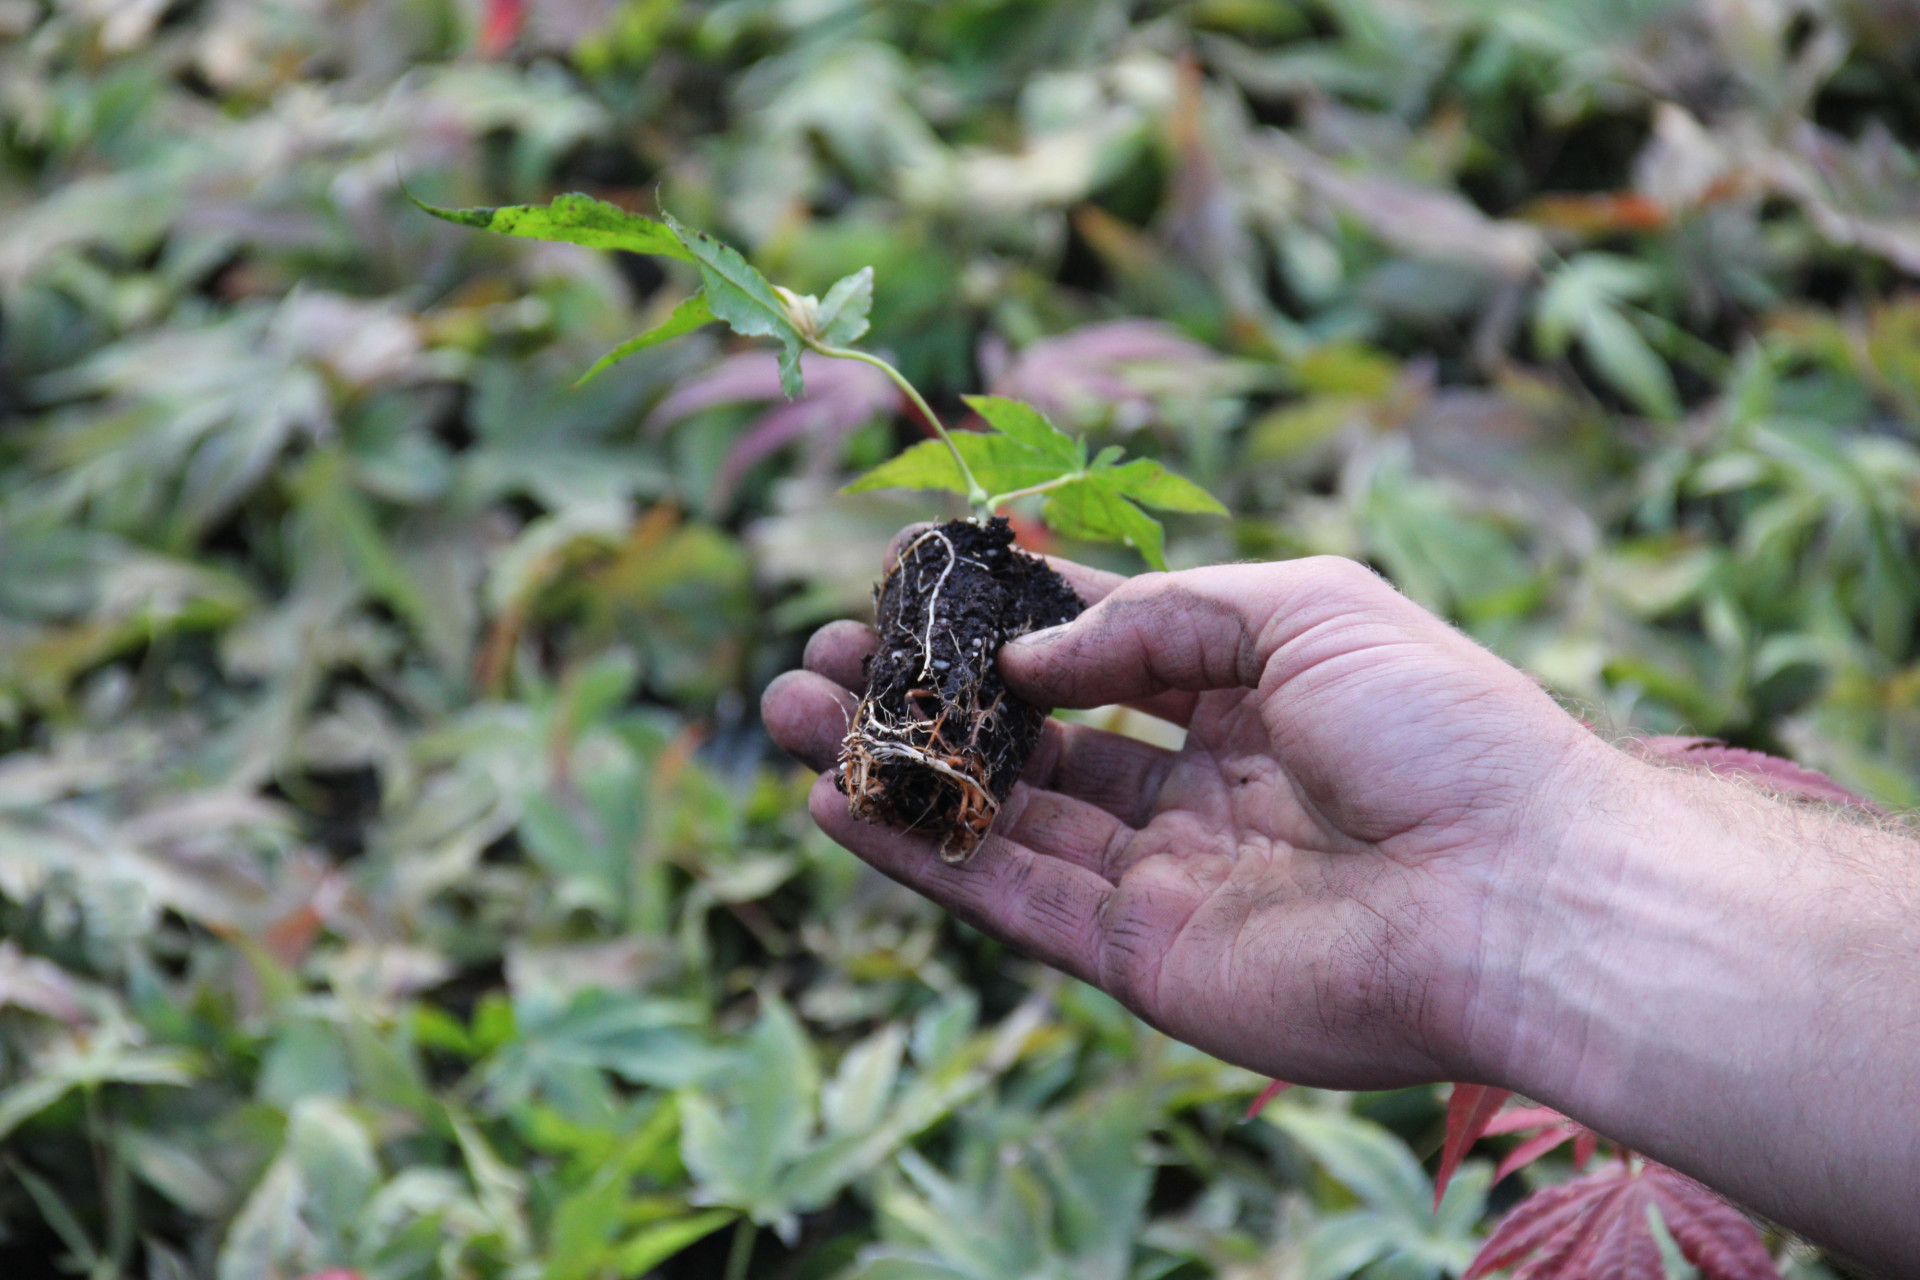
(392, 875)
(1097, 499)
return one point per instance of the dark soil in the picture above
(938, 742)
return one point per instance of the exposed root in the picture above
(937, 741)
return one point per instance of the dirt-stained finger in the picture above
(1111, 771)
(1062, 827)
(839, 651)
(807, 714)
(1046, 907)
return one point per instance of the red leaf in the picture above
(1273, 1090)
(500, 27)
(1782, 776)
(1585, 1143)
(1626, 1247)
(1596, 1226)
(1469, 1111)
(1548, 1223)
(1113, 371)
(1514, 1119)
(841, 396)
(1712, 1234)
(1532, 1149)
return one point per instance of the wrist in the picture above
(1716, 978)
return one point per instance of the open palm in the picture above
(1304, 887)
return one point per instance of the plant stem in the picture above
(976, 496)
(994, 502)
(741, 1252)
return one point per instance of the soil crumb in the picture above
(937, 742)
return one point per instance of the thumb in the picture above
(1195, 630)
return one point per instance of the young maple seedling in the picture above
(937, 740)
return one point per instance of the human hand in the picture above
(1317, 884)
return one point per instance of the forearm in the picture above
(1729, 983)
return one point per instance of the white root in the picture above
(933, 600)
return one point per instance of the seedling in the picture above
(937, 740)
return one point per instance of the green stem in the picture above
(994, 503)
(741, 1253)
(976, 496)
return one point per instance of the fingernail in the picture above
(1041, 636)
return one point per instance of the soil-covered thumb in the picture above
(1084, 663)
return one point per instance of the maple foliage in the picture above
(1273, 1090)
(1598, 1225)
(1554, 1130)
(1469, 1110)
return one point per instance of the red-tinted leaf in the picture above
(500, 26)
(1585, 1143)
(1549, 1223)
(1625, 1247)
(840, 397)
(1783, 776)
(1517, 1119)
(1471, 1108)
(1533, 1148)
(1597, 1226)
(1571, 1257)
(1113, 371)
(1712, 1234)
(1273, 1090)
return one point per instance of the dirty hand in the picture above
(1316, 884)
(1384, 856)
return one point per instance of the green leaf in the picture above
(653, 1246)
(1027, 426)
(1361, 1156)
(856, 1098)
(686, 317)
(338, 1168)
(927, 465)
(1149, 483)
(1091, 508)
(738, 294)
(1626, 361)
(999, 463)
(842, 316)
(573, 219)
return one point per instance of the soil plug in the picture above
(937, 741)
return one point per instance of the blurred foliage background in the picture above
(394, 880)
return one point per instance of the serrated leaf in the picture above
(1090, 509)
(1147, 482)
(1028, 427)
(686, 317)
(927, 465)
(572, 219)
(1599, 1225)
(842, 314)
(999, 463)
(737, 293)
